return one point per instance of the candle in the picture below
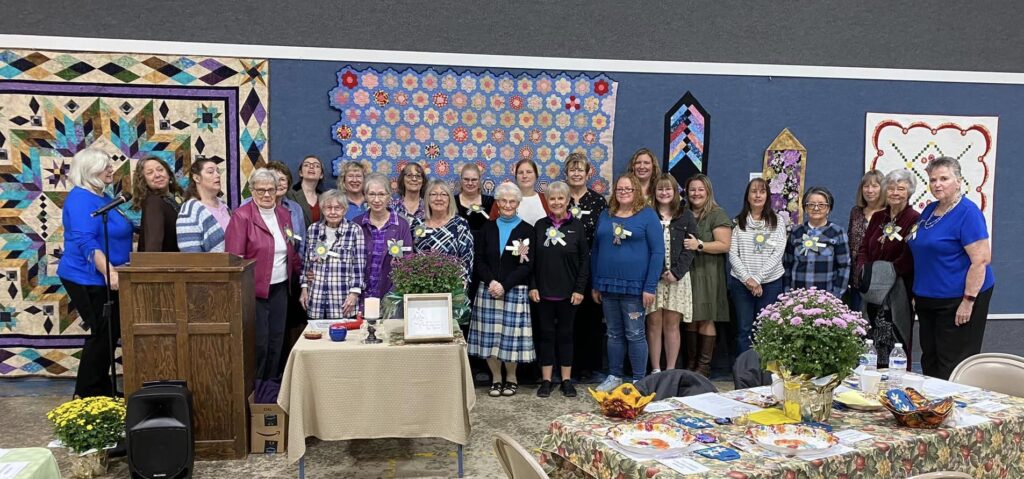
(371, 307)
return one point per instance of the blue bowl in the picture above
(338, 334)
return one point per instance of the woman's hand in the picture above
(754, 287)
(349, 305)
(963, 313)
(114, 280)
(668, 277)
(691, 242)
(648, 300)
(496, 289)
(576, 299)
(304, 298)
(535, 295)
(596, 295)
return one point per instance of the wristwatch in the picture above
(969, 298)
(700, 245)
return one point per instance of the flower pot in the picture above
(807, 400)
(87, 466)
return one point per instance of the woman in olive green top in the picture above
(710, 300)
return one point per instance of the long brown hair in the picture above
(638, 203)
(877, 177)
(192, 190)
(141, 191)
(674, 206)
(401, 179)
(710, 204)
(655, 172)
(767, 213)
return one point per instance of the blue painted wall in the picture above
(826, 115)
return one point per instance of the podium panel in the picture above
(189, 316)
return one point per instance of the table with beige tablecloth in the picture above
(350, 390)
(30, 462)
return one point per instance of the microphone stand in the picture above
(108, 308)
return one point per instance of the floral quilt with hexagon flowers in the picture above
(445, 119)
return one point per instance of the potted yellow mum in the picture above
(87, 426)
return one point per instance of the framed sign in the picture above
(428, 317)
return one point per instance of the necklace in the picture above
(933, 220)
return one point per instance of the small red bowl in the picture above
(348, 324)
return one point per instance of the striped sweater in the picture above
(198, 230)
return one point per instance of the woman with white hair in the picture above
(259, 230)
(501, 330)
(83, 268)
(385, 233)
(335, 258)
(558, 283)
(891, 315)
(953, 279)
(443, 230)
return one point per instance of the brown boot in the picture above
(707, 351)
(691, 350)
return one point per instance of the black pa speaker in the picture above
(158, 426)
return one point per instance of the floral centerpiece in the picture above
(87, 426)
(812, 340)
(427, 272)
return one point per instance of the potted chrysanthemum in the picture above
(88, 426)
(423, 273)
(813, 341)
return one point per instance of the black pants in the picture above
(944, 344)
(589, 335)
(94, 366)
(271, 317)
(555, 329)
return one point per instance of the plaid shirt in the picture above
(378, 265)
(398, 206)
(454, 238)
(330, 279)
(828, 268)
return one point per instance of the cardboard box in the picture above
(269, 428)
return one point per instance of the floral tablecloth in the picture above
(574, 447)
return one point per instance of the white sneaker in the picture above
(655, 371)
(610, 383)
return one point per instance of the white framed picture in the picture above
(428, 317)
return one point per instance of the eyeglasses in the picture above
(414, 177)
(624, 190)
(438, 194)
(333, 208)
(817, 206)
(263, 191)
(376, 195)
(315, 166)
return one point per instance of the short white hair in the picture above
(86, 167)
(378, 179)
(900, 175)
(263, 175)
(556, 188)
(507, 189)
(334, 196)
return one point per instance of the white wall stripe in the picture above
(497, 61)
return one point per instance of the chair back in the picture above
(942, 475)
(747, 372)
(515, 460)
(998, 372)
(675, 383)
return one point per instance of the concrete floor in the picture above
(524, 417)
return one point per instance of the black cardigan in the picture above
(560, 270)
(682, 226)
(504, 268)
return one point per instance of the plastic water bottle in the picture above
(869, 358)
(897, 364)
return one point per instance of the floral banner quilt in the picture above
(54, 104)
(893, 141)
(444, 119)
(785, 169)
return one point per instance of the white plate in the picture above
(650, 438)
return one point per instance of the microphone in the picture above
(122, 198)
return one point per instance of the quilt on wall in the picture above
(53, 104)
(446, 119)
(895, 141)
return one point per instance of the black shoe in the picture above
(544, 390)
(495, 390)
(509, 389)
(568, 390)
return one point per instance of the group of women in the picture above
(657, 260)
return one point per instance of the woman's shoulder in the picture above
(545, 222)
(458, 222)
(524, 228)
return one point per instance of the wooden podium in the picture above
(189, 316)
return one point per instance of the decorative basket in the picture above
(912, 409)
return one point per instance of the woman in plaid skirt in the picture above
(501, 329)
(333, 273)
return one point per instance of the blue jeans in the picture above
(747, 306)
(624, 314)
